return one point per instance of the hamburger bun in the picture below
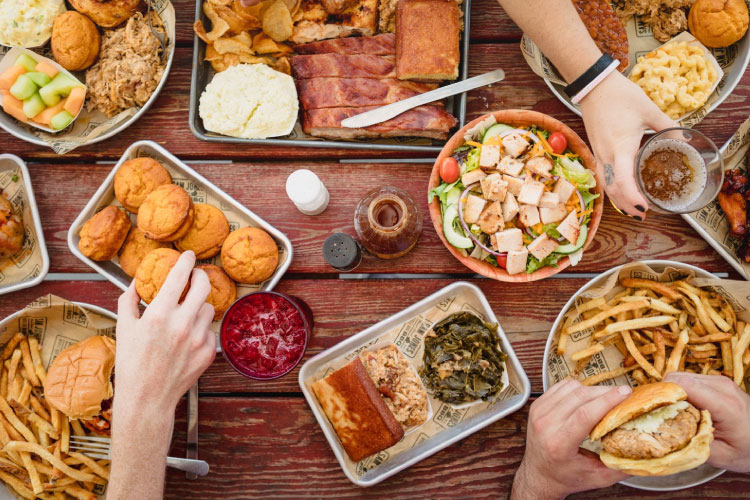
(645, 399)
(79, 378)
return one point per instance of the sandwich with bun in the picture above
(654, 432)
(79, 383)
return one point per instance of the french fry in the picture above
(12, 432)
(54, 417)
(64, 434)
(657, 287)
(727, 358)
(11, 345)
(44, 426)
(591, 304)
(742, 344)
(660, 353)
(640, 377)
(642, 362)
(28, 363)
(587, 352)
(36, 358)
(636, 324)
(40, 409)
(703, 316)
(715, 317)
(601, 377)
(77, 427)
(14, 360)
(4, 382)
(36, 482)
(80, 493)
(674, 358)
(42, 452)
(627, 306)
(15, 422)
(15, 388)
(18, 485)
(712, 337)
(23, 396)
(91, 464)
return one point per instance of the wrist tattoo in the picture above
(609, 174)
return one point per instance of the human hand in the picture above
(559, 421)
(160, 355)
(730, 411)
(616, 114)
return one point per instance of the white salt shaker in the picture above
(307, 192)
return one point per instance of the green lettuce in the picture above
(572, 170)
(535, 264)
(472, 161)
(441, 192)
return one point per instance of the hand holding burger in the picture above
(554, 465)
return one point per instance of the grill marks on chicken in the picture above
(733, 199)
(672, 435)
(337, 79)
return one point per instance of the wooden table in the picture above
(261, 439)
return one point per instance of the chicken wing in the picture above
(733, 201)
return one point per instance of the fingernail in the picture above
(640, 208)
(638, 218)
(624, 389)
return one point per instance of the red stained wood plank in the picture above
(62, 192)
(273, 448)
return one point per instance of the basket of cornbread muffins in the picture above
(152, 207)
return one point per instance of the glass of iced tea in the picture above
(679, 170)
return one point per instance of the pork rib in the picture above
(343, 66)
(379, 45)
(423, 121)
(326, 92)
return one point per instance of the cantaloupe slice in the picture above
(14, 108)
(9, 76)
(74, 102)
(46, 68)
(45, 116)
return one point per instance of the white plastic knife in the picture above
(389, 111)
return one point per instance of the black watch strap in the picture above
(588, 76)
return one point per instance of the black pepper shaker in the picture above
(342, 252)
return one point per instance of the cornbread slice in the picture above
(427, 33)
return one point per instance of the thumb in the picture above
(657, 120)
(590, 413)
(127, 304)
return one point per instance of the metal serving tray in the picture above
(442, 439)
(9, 162)
(112, 271)
(203, 73)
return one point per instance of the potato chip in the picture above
(225, 3)
(264, 45)
(284, 50)
(248, 13)
(218, 25)
(231, 46)
(282, 64)
(237, 23)
(212, 54)
(277, 22)
(250, 59)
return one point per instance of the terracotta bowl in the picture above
(516, 117)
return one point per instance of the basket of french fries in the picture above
(37, 459)
(636, 323)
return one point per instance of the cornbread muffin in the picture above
(103, 234)
(136, 247)
(249, 255)
(166, 214)
(75, 41)
(11, 229)
(107, 14)
(223, 290)
(153, 272)
(209, 230)
(718, 23)
(136, 179)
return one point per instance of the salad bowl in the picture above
(575, 146)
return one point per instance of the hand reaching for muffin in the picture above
(168, 223)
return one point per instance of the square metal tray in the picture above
(440, 440)
(9, 162)
(203, 73)
(112, 271)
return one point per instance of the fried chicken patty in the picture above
(672, 435)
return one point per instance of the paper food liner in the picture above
(641, 41)
(199, 194)
(711, 218)
(408, 337)
(27, 263)
(91, 124)
(57, 323)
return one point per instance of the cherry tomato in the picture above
(502, 261)
(557, 142)
(449, 170)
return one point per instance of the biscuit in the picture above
(209, 230)
(249, 255)
(136, 179)
(136, 247)
(166, 214)
(153, 272)
(107, 14)
(223, 290)
(11, 229)
(718, 23)
(103, 234)
(75, 41)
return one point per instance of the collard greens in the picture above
(462, 359)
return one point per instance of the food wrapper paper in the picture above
(559, 367)
(57, 323)
(711, 220)
(641, 41)
(27, 263)
(199, 194)
(92, 124)
(408, 337)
